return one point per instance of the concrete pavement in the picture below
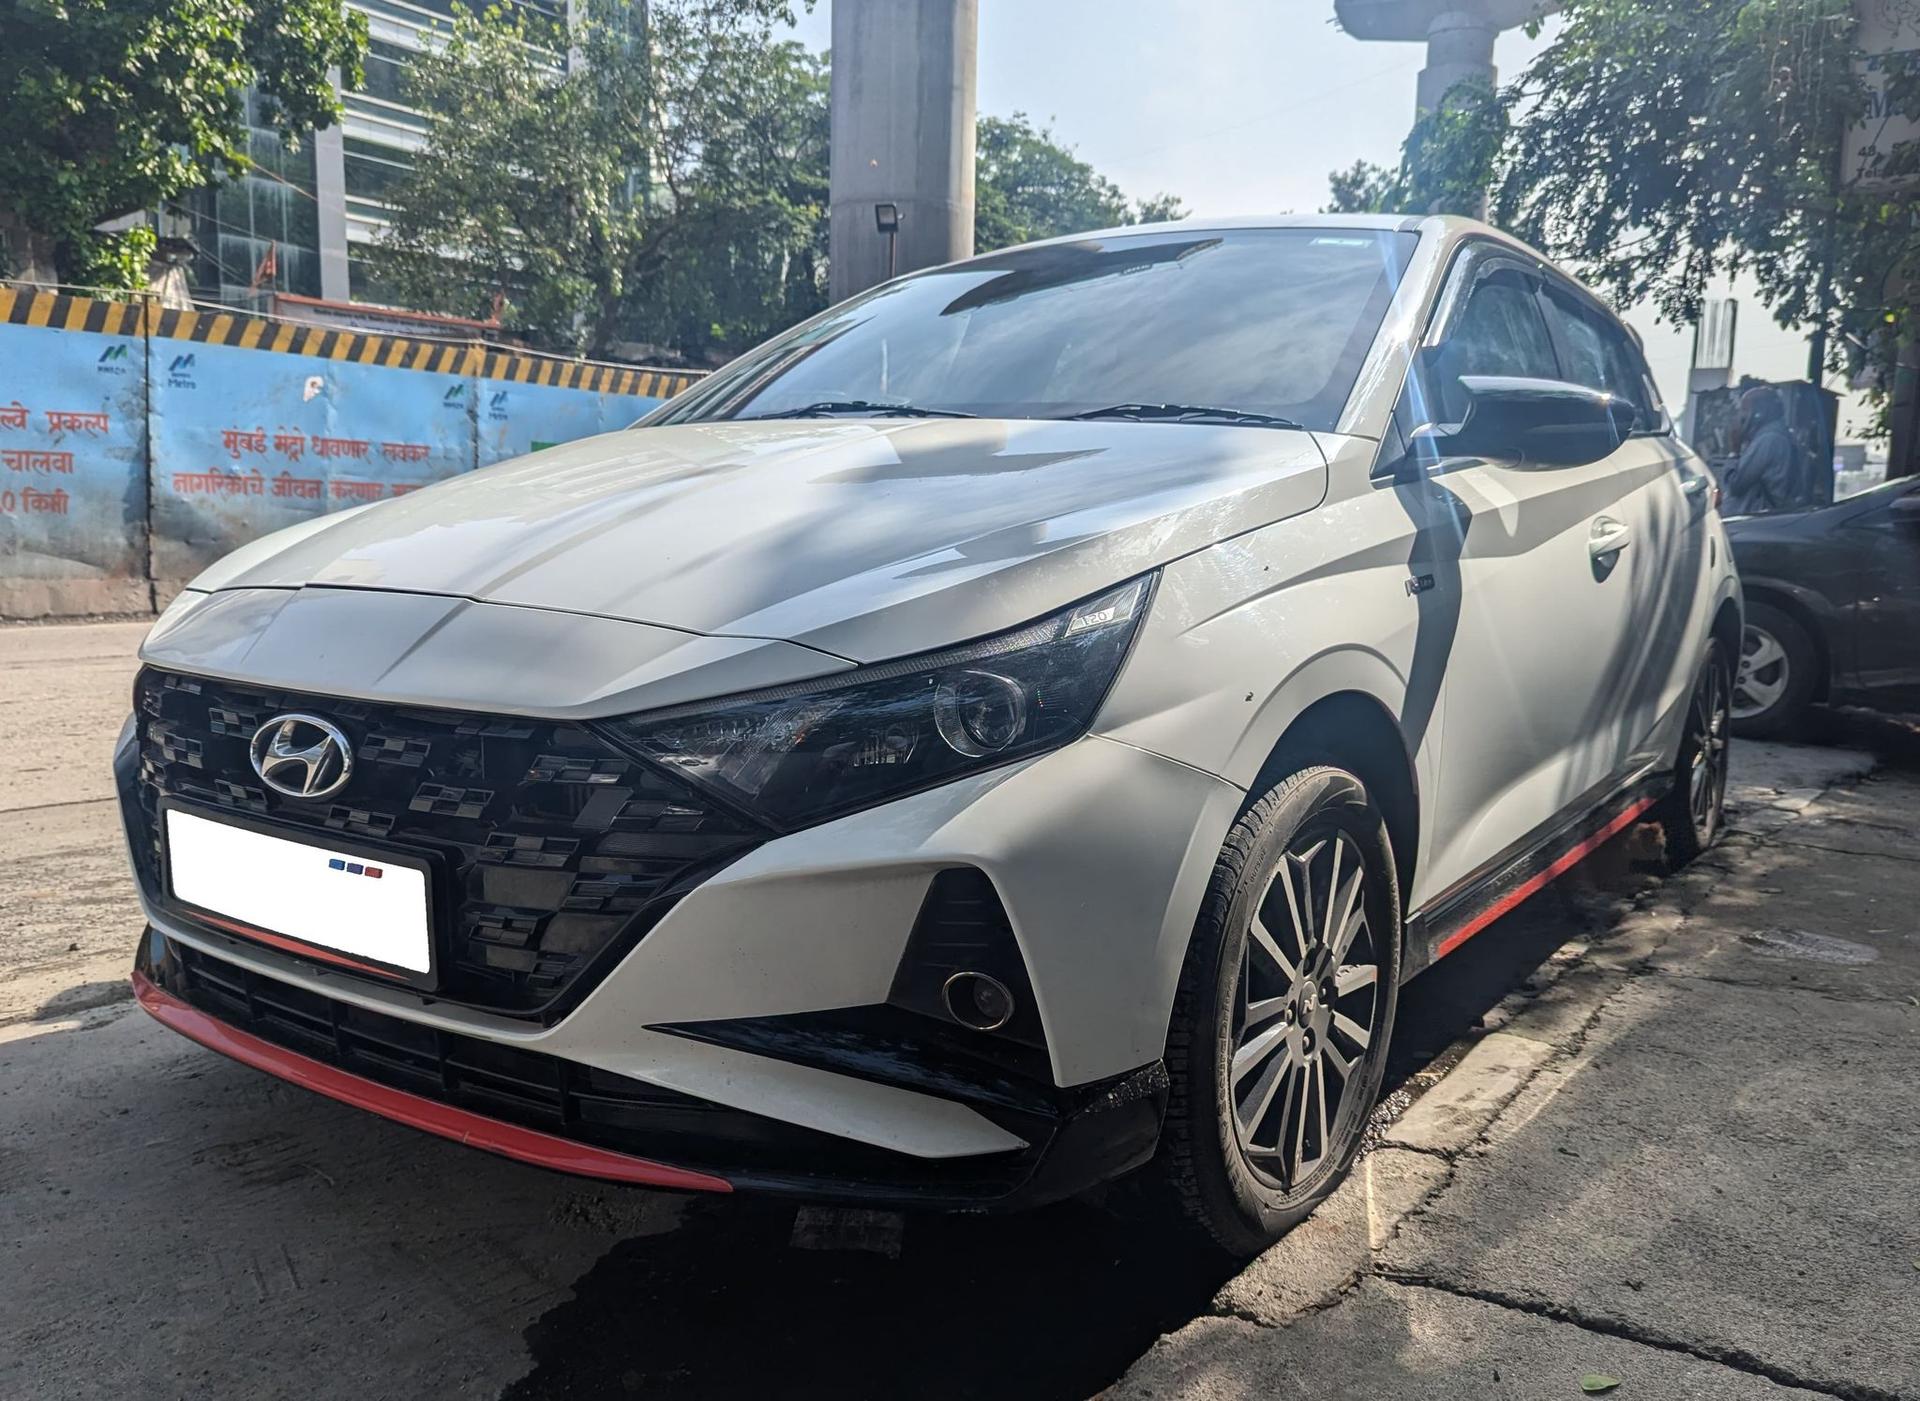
(1690, 1160)
(64, 894)
(1681, 1153)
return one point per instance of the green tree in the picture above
(671, 180)
(750, 258)
(1662, 143)
(666, 198)
(1659, 145)
(111, 106)
(1363, 188)
(1446, 164)
(1027, 186)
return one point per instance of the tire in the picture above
(1771, 693)
(1211, 1172)
(1693, 811)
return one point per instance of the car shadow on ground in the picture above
(82, 997)
(1053, 1303)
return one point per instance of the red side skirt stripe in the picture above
(1532, 885)
(475, 1130)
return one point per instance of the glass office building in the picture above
(302, 221)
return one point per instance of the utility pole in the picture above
(902, 139)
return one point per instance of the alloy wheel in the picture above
(1710, 718)
(1306, 1012)
(1765, 672)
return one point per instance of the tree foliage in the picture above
(674, 180)
(1364, 188)
(1659, 145)
(669, 198)
(111, 106)
(1449, 159)
(1027, 186)
(1662, 143)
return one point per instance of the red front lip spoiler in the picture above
(475, 1130)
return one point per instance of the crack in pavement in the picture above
(1757, 985)
(1736, 1359)
(64, 803)
(1844, 851)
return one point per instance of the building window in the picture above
(388, 68)
(270, 209)
(373, 170)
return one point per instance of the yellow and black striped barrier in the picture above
(68, 313)
(65, 313)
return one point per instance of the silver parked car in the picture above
(1017, 730)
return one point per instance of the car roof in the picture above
(1446, 229)
(1429, 225)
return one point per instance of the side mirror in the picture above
(1545, 421)
(1906, 511)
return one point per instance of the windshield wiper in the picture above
(824, 407)
(1187, 413)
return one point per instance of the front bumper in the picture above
(753, 1037)
(556, 1114)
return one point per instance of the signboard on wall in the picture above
(73, 484)
(139, 444)
(514, 419)
(247, 442)
(1889, 42)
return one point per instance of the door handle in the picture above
(1608, 537)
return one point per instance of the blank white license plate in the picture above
(319, 895)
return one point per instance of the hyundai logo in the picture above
(301, 756)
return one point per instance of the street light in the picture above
(886, 218)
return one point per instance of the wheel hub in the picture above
(1762, 675)
(1707, 775)
(1305, 1011)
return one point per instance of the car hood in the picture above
(866, 539)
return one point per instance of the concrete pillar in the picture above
(1459, 34)
(903, 113)
(1459, 50)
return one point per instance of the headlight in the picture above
(799, 754)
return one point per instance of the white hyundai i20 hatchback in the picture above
(1017, 730)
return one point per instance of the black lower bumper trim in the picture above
(1094, 1132)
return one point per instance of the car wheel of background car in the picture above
(1279, 1035)
(1690, 815)
(1778, 668)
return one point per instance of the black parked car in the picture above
(1833, 608)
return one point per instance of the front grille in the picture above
(556, 850)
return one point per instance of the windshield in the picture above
(1272, 322)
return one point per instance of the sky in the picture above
(1244, 107)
